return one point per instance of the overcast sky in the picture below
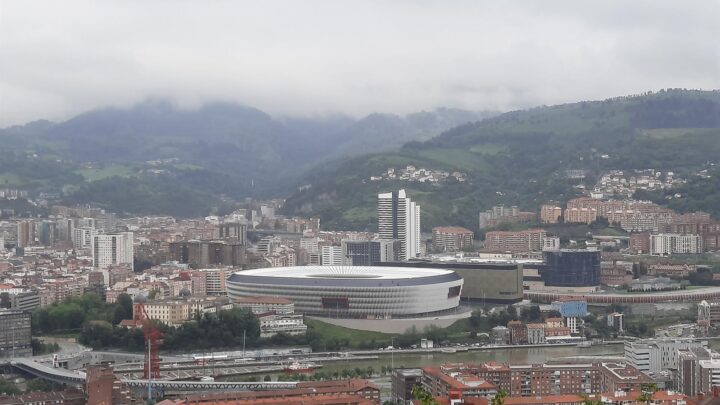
(59, 58)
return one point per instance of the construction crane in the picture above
(153, 340)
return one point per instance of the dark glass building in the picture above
(571, 268)
(370, 252)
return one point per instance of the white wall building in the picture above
(664, 244)
(82, 237)
(399, 218)
(332, 256)
(655, 355)
(112, 249)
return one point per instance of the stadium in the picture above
(354, 291)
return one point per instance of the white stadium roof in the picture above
(346, 272)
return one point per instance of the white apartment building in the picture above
(665, 244)
(82, 237)
(655, 355)
(399, 218)
(112, 249)
(310, 244)
(271, 325)
(332, 256)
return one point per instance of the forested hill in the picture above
(156, 158)
(520, 158)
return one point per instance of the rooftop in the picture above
(346, 272)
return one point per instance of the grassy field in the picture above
(10, 180)
(106, 172)
(354, 336)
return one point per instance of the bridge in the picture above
(166, 385)
(58, 375)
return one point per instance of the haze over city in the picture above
(323, 57)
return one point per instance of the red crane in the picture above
(153, 340)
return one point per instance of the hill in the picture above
(521, 158)
(155, 158)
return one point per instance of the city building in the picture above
(263, 305)
(550, 214)
(216, 281)
(26, 300)
(354, 291)
(403, 380)
(665, 244)
(615, 321)
(289, 324)
(207, 253)
(500, 214)
(174, 312)
(369, 252)
(500, 335)
(526, 382)
(518, 332)
(15, 334)
(234, 231)
(112, 249)
(572, 312)
(580, 215)
(624, 377)
(708, 314)
(655, 355)
(535, 333)
(451, 238)
(331, 256)
(639, 242)
(571, 268)
(399, 218)
(102, 387)
(530, 240)
(484, 282)
(83, 237)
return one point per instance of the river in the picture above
(513, 355)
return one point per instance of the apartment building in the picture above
(451, 238)
(550, 214)
(530, 240)
(580, 215)
(112, 249)
(665, 244)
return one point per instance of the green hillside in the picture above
(520, 158)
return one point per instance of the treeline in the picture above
(207, 332)
(75, 312)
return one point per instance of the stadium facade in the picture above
(354, 291)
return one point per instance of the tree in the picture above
(647, 391)
(499, 398)
(8, 388)
(267, 378)
(38, 384)
(422, 395)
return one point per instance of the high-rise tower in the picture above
(399, 218)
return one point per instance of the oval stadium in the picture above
(354, 291)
